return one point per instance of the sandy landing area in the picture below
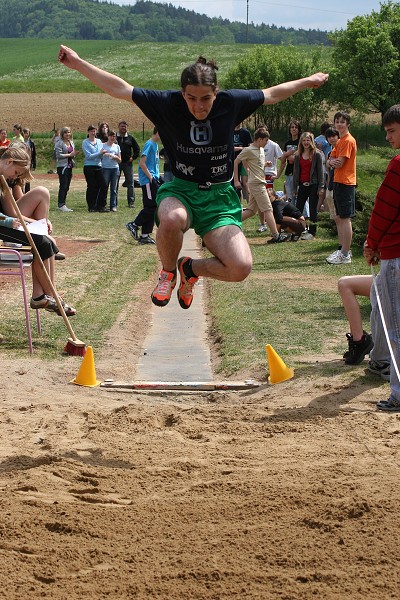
(287, 492)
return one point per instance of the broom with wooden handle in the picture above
(73, 346)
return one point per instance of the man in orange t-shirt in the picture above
(343, 160)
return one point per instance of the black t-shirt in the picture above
(199, 151)
(290, 145)
(284, 209)
(241, 137)
(129, 147)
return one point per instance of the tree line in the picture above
(142, 21)
(363, 68)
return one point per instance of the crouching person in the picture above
(287, 216)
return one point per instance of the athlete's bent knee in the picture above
(172, 222)
(239, 271)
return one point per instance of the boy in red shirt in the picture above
(383, 244)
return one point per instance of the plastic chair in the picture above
(14, 265)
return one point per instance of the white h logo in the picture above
(200, 133)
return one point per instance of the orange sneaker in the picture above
(185, 290)
(161, 294)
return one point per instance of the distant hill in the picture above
(144, 21)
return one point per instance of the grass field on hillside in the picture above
(28, 66)
(31, 65)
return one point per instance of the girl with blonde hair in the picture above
(308, 179)
(14, 164)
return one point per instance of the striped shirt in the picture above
(384, 225)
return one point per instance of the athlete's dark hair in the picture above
(202, 72)
(392, 115)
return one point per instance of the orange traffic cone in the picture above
(87, 373)
(278, 371)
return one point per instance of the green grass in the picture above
(371, 166)
(28, 67)
(289, 301)
(32, 65)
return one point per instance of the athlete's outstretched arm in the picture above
(109, 83)
(282, 91)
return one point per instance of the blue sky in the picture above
(312, 14)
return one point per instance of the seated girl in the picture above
(14, 164)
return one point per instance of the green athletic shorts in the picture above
(208, 209)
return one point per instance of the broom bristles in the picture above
(75, 347)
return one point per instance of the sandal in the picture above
(69, 310)
(49, 304)
(53, 307)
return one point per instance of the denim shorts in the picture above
(208, 206)
(344, 197)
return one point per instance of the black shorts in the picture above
(344, 198)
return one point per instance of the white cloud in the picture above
(306, 14)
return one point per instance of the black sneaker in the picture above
(358, 350)
(350, 339)
(146, 240)
(382, 370)
(278, 239)
(133, 230)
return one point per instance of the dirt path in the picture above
(40, 112)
